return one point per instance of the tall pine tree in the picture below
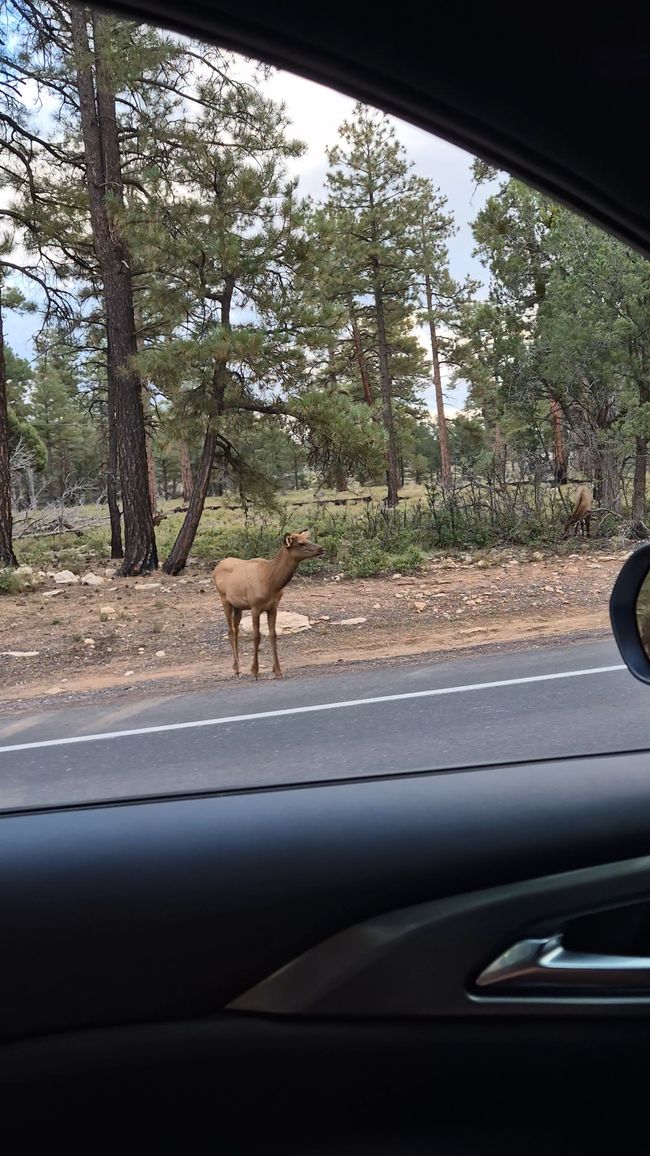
(371, 205)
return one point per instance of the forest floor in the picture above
(69, 643)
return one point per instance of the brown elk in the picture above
(257, 585)
(581, 512)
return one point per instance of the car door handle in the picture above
(534, 963)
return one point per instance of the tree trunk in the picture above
(117, 550)
(537, 490)
(443, 433)
(358, 349)
(640, 466)
(185, 540)
(47, 437)
(7, 556)
(187, 533)
(152, 478)
(500, 452)
(31, 488)
(104, 182)
(561, 465)
(607, 490)
(392, 465)
(640, 469)
(187, 482)
(606, 482)
(340, 479)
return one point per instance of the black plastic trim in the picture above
(337, 1088)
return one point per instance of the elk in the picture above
(581, 512)
(257, 585)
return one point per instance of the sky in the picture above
(315, 113)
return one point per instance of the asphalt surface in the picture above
(320, 727)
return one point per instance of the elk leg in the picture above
(236, 619)
(588, 524)
(229, 612)
(271, 617)
(255, 668)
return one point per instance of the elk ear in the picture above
(306, 533)
(288, 540)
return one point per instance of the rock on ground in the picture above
(66, 578)
(288, 622)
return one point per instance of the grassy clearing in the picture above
(361, 539)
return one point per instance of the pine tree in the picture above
(73, 229)
(593, 338)
(226, 254)
(57, 413)
(514, 233)
(371, 206)
(443, 299)
(96, 88)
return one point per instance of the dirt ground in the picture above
(168, 634)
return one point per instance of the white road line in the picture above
(239, 718)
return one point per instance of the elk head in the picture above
(300, 547)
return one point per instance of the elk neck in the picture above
(283, 568)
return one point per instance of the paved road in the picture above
(389, 718)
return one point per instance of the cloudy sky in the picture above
(316, 113)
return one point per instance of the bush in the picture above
(249, 541)
(410, 559)
(9, 581)
(366, 560)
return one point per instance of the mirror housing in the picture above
(623, 615)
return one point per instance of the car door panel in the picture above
(172, 909)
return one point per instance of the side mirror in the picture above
(629, 612)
